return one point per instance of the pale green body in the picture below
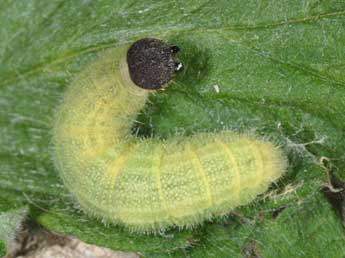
(150, 184)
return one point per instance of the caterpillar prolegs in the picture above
(150, 184)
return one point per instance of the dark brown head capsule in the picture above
(151, 63)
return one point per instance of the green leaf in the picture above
(2, 248)
(279, 67)
(10, 224)
(310, 229)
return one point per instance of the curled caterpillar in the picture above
(150, 184)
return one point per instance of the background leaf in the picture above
(279, 66)
(10, 225)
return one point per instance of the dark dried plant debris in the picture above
(33, 241)
(335, 194)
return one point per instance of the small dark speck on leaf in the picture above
(193, 242)
(276, 212)
(250, 250)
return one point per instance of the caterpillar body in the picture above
(150, 184)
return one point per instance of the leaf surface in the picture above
(279, 67)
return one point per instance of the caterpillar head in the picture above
(151, 63)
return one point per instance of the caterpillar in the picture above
(150, 184)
